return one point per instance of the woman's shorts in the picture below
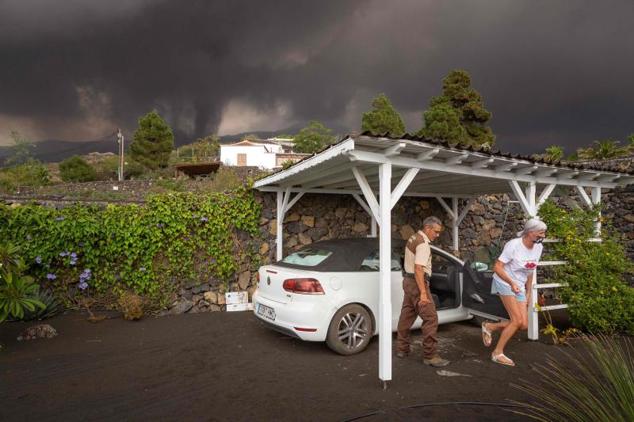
(504, 289)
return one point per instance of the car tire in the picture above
(350, 330)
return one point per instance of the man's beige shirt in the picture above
(422, 257)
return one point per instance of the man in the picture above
(417, 300)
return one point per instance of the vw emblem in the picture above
(268, 281)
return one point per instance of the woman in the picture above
(512, 279)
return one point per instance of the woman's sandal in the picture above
(486, 335)
(502, 359)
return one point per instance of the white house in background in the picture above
(263, 153)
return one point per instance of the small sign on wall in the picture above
(238, 301)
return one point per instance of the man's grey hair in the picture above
(431, 220)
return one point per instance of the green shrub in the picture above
(134, 170)
(599, 388)
(31, 174)
(76, 169)
(107, 169)
(146, 249)
(598, 295)
(225, 179)
(18, 294)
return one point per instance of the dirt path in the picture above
(225, 366)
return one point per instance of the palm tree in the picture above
(553, 153)
(602, 150)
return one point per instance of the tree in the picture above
(313, 138)
(206, 148)
(20, 150)
(602, 150)
(153, 141)
(553, 153)
(458, 115)
(383, 118)
(76, 169)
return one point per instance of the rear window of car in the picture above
(371, 262)
(307, 257)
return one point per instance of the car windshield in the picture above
(308, 257)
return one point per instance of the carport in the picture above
(378, 171)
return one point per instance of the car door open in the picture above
(477, 296)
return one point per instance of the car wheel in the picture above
(350, 330)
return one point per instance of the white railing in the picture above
(533, 310)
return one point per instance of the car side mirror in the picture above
(479, 266)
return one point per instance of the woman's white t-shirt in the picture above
(519, 261)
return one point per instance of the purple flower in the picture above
(62, 254)
(82, 285)
(81, 244)
(160, 225)
(73, 262)
(51, 276)
(38, 259)
(142, 269)
(85, 275)
(28, 237)
(204, 219)
(73, 255)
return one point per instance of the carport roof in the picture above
(445, 170)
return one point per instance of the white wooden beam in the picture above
(584, 196)
(482, 163)
(507, 166)
(428, 155)
(363, 204)
(402, 186)
(446, 207)
(531, 191)
(519, 195)
(435, 165)
(367, 192)
(526, 170)
(394, 149)
(546, 172)
(464, 212)
(457, 159)
(293, 201)
(545, 194)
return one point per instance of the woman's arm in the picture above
(529, 290)
(498, 268)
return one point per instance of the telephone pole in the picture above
(120, 141)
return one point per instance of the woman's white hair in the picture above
(532, 225)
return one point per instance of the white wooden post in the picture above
(280, 225)
(385, 258)
(454, 225)
(596, 200)
(533, 315)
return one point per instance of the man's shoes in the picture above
(436, 362)
(401, 355)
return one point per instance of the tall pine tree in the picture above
(458, 115)
(153, 141)
(383, 118)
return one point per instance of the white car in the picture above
(329, 291)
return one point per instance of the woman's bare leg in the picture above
(513, 308)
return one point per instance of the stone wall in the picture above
(320, 217)
(492, 219)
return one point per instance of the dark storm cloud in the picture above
(551, 72)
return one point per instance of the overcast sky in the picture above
(551, 72)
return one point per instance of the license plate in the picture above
(266, 311)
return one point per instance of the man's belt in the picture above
(412, 275)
